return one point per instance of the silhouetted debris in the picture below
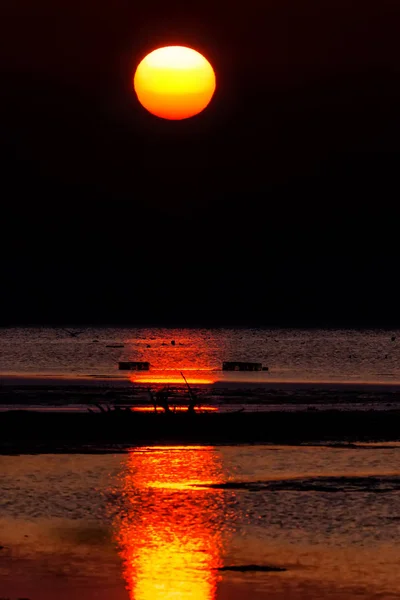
(172, 342)
(193, 399)
(152, 399)
(160, 399)
(255, 568)
(393, 338)
(241, 366)
(115, 346)
(71, 333)
(133, 366)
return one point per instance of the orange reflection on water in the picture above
(170, 379)
(174, 409)
(170, 533)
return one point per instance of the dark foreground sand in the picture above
(29, 431)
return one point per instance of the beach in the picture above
(202, 523)
(279, 484)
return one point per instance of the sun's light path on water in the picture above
(174, 82)
(169, 379)
(169, 533)
(147, 409)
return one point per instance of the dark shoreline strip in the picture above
(28, 431)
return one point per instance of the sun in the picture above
(174, 82)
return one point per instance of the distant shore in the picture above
(31, 432)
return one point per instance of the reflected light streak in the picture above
(170, 379)
(174, 409)
(169, 533)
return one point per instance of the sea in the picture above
(301, 368)
(291, 355)
(202, 523)
(210, 522)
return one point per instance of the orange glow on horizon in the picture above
(170, 379)
(169, 536)
(174, 409)
(174, 82)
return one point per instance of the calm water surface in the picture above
(291, 355)
(159, 523)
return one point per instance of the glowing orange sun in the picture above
(174, 82)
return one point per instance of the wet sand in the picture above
(166, 523)
(220, 380)
(77, 394)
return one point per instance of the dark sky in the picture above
(276, 206)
